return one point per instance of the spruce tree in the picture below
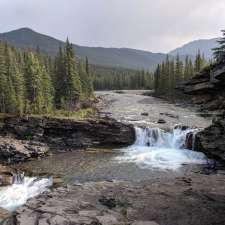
(33, 77)
(219, 52)
(73, 84)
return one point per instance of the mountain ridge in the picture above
(127, 58)
(112, 57)
(191, 48)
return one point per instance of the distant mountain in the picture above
(191, 48)
(112, 57)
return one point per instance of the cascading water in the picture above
(155, 148)
(22, 189)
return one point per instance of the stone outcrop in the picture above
(211, 140)
(29, 137)
(207, 89)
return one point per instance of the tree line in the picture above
(121, 79)
(35, 83)
(172, 72)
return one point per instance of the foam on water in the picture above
(155, 148)
(17, 195)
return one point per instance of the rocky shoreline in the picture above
(182, 200)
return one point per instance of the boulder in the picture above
(161, 121)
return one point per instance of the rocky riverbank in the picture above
(31, 137)
(190, 200)
(208, 93)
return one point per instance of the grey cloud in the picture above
(145, 24)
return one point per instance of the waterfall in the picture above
(156, 148)
(22, 189)
(18, 178)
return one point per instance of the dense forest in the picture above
(106, 78)
(165, 78)
(173, 72)
(35, 83)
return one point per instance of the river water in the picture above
(155, 154)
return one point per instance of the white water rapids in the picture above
(17, 194)
(155, 148)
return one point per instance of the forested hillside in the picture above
(35, 83)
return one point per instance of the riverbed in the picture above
(135, 108)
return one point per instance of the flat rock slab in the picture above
(194, 200)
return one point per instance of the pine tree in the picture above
(157, 79)
(219, 52)
(178, 70)
(47, 90)
(73, 83)
(199, 62)
(33, 77)
(172, 76)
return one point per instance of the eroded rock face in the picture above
(70, 133)
(30, 137)
(207, 88)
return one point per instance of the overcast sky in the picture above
(154, 25)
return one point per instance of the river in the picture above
(158, 152)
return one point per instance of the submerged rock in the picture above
(144, 114)
(161, 121)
